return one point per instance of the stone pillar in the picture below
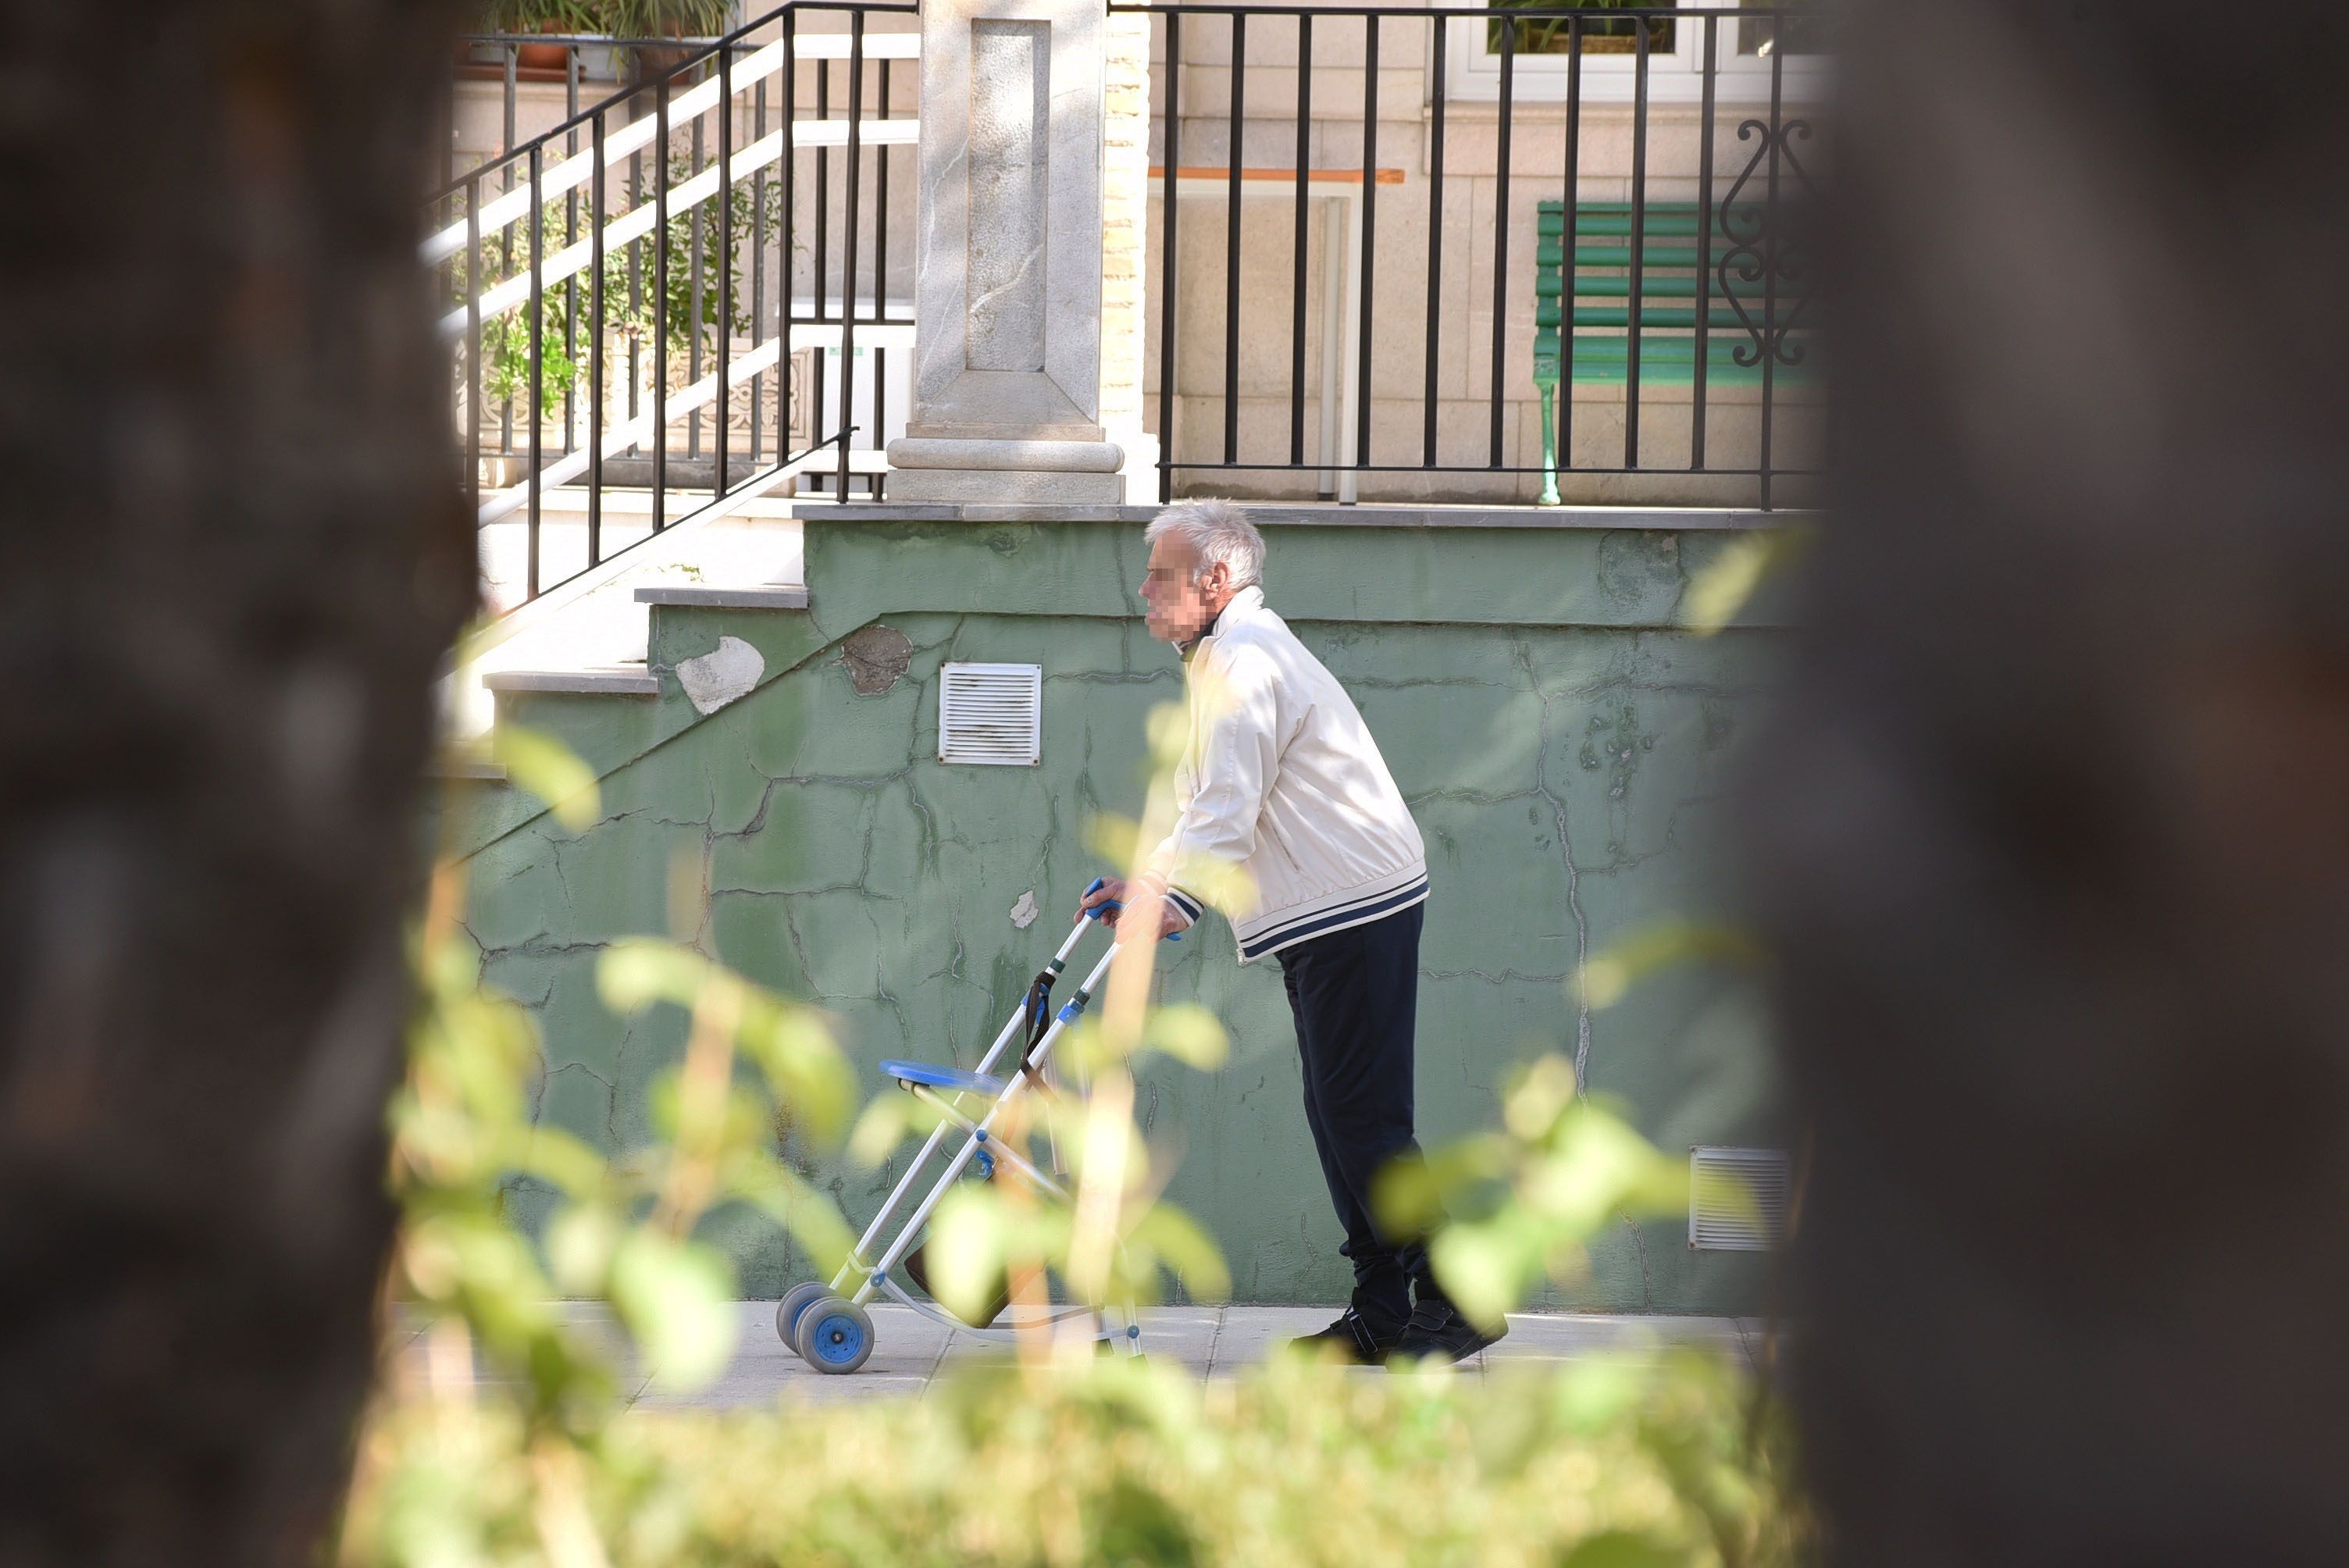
(1008, 259)
(1125, 250)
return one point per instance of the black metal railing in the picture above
(1625, 215)
(666, 299)
(591, 69)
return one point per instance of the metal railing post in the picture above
(595, 328)
(1172, 119)
(1434, 331)
(1297, 241)
(848, 242)
(1232, 242)
(721, 438)
(1370, 234)
(1501, 233)
(537, 329)
(1771, 231)
(1638, 245)
(475, 382)
(881, 282)
(1699, 370)
(660, 310)
(1573, 233)
(788, 266)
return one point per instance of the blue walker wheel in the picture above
(797, 1300)
(834, 1335)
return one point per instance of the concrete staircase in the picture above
(700, 646)
(786, 98)
(587, 637)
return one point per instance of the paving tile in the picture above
(910, 1349)
(818, 1389)
(1553, 1334)
(967, 1348)
(1250, 1333)
(1184, 1336)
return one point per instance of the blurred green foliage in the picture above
(1606, 1464)
(566, 307)
(611, 19)
(1060, 1458)
(621, 1230)
(1514, 1206)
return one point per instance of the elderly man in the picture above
(1281, 779)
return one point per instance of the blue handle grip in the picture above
(1095, 912)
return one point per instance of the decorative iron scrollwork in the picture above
(1762, 248)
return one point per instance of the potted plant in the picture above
(606, 19)
(542, 16)
(663, 19)
(666, 18)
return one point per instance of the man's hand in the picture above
(1172, 921)
(1111, 890)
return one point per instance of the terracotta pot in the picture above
(555, 57)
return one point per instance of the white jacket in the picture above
(1281, 779)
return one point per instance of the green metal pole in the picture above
(1549, 439)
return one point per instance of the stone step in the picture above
(777, 598)
(708, 646)
(759, 542)
(619, 680)
(757, 548)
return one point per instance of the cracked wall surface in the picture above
(1562, 742)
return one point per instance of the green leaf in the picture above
(1482, 1268)
(1117, 839)
(633, 975)
(676, 1299)
(552, 1155)
(1412, 1196)
(1186, 1248)
(803, 1067)
(1189, 1033)
(1721, 587)
(1622, 1549)
(538, 762)
(783, 1195)
(1610, 972)
(966, 1250)
(580, 1242)
(885, 1124)
(1541, 1094)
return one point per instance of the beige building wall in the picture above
(1397, 316)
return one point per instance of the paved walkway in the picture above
(910, 1350)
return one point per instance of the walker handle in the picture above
(1095, 912)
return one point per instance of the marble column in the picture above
(1125, 249)
(1008, 259)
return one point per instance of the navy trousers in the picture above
(1355, 996)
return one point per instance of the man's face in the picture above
(1181, 608)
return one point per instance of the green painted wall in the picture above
(1562, 742)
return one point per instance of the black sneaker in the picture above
(1354, 1339)
(1437, 1330)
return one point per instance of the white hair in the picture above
(1214, 530)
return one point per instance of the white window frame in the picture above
(1473, 71)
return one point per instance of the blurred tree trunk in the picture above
(2057, 824)
(232, 550)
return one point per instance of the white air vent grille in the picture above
(991, 714)
(1737, 1198)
